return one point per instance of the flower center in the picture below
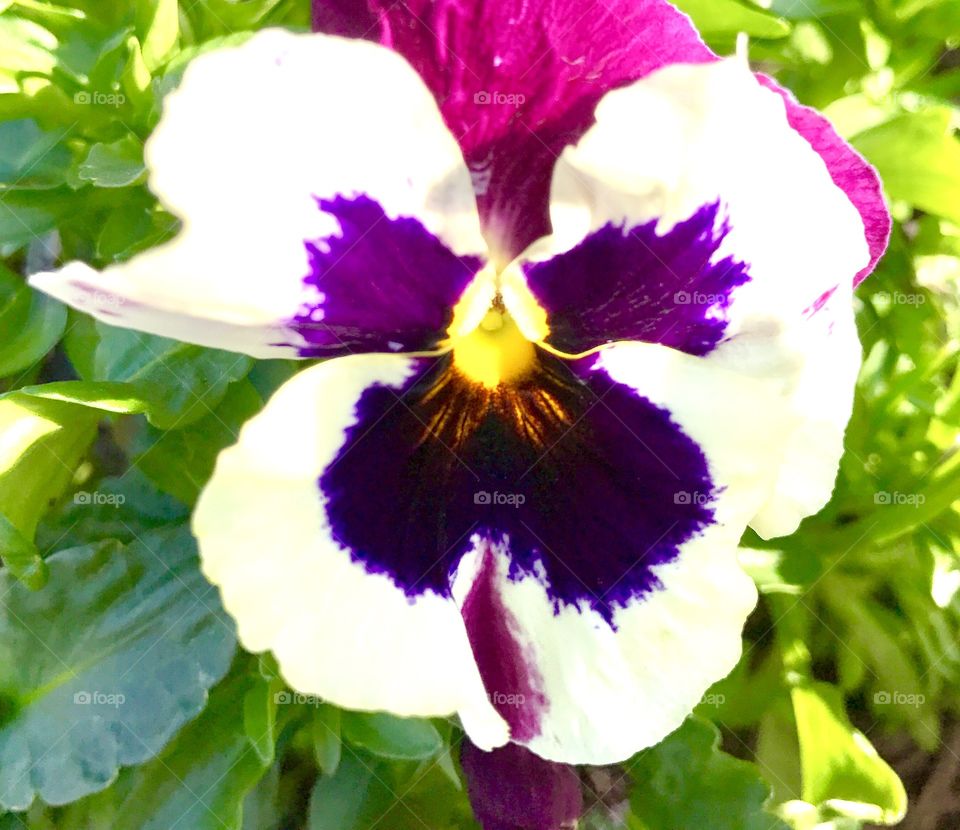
(495, 352)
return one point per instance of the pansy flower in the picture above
(582, 295)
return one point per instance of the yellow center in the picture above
(495, 352)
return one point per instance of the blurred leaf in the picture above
(31, 157)
(388, 736)
(918, 158)
(80, 700)
(840, 767)
(687, 783)
(119, 164)
(327, 747)
(182, 383)
(31, 323)
(201, 779)
(724, 17)
(337, 802)
(158, 28)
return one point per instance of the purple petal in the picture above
(513, 789)
(347, 18)
(633, 284)
(518, 80)
(380, 284)
(848, 169)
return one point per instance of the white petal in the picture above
(688, 136)
(337, 630)
(610, 691)
(248, 143)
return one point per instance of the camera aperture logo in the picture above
(298, 698)
(498, 498)
(500, 99)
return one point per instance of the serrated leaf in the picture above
(840, 767)
(687, 783)
(81, 699)
(30, 323)
(181, 382)
(388, 736)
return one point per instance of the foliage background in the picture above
(124, 702)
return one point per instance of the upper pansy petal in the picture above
(319, 214)
(518, 80)
(338, 628)
(848, 169)
(721, 137)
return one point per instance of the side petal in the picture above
(326, 207)
(624, 659)
(518, 80)
(338, 629)
(848, 169)
(721, 136)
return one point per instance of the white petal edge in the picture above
(253, 134)
(337, 631)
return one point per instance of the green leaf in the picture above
(44, 442)
(31, 321)
(101, 668)
(181, 461)
(21, 556)
(31, 157)
(327, 747)
(918, 158)
(687, 783)
(182, 383)
(25, 47)
(337, 802)
(158, 29)
(391, 737)
(729, 17)
(200, 781)
(107, 396)
(840, 768)
(119, 164)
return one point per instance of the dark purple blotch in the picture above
(381, 284)
(585, 481)
(630, 283)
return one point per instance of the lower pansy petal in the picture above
(320, 217)
(339, 629)
(574, 514)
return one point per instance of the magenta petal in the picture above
(518, 80)
(513, 789)
(849, 171)
(347, 18)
